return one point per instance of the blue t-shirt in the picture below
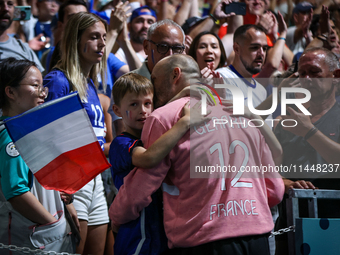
(58, 86)
(113, 65)
(120, 156)
(45, 29)
(144, 235)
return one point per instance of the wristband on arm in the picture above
(311, 132)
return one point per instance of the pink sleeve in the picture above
(275, 190)
(140, 184)
(274, 182)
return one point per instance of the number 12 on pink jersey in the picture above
(235, 181)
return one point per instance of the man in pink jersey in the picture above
(202, 215)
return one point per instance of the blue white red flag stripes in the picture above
(57, 142)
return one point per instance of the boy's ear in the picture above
(116, 110)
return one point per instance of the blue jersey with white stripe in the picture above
(59, 86)
(145, 235)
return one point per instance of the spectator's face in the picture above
(6, 13)
(315, 75)
(301, 17)
(68, 12)
(71, 10)
(165, 35)
(47, 9)
(208, 51)
(333, 37)
(135, 109)
(139, 27)
(336, 16)
(252, 50)
(29, 94)
(255, 7)
(92, 44)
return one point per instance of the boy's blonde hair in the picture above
(131, 82)
(70, 63)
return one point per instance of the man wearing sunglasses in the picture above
(164, 38)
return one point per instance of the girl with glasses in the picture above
(30, 216)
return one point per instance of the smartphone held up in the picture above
(22, 12)
(235, 7)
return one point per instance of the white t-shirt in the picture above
(229, 77)
(121, 55)
(299, 46)
(28, 27)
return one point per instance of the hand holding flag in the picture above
(57, 142)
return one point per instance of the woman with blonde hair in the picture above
(83, 56)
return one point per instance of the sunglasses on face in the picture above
(163, 48)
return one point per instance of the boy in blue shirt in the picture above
(133, 95)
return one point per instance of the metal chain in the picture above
(282, 231)
(27, 250)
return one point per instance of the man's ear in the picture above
(176, 74)
(236, 48)
(336, 78)
(295, 18)
(116, 110)
(336, 73)
(129, 26)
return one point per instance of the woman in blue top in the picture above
(83, 56)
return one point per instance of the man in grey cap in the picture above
(299, 36)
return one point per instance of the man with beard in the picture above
(141, 20)
(250, 47)
(9, 46)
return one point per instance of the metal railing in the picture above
(312, 197)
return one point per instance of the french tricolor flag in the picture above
(57, 142)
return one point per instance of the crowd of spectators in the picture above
(135, 64)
